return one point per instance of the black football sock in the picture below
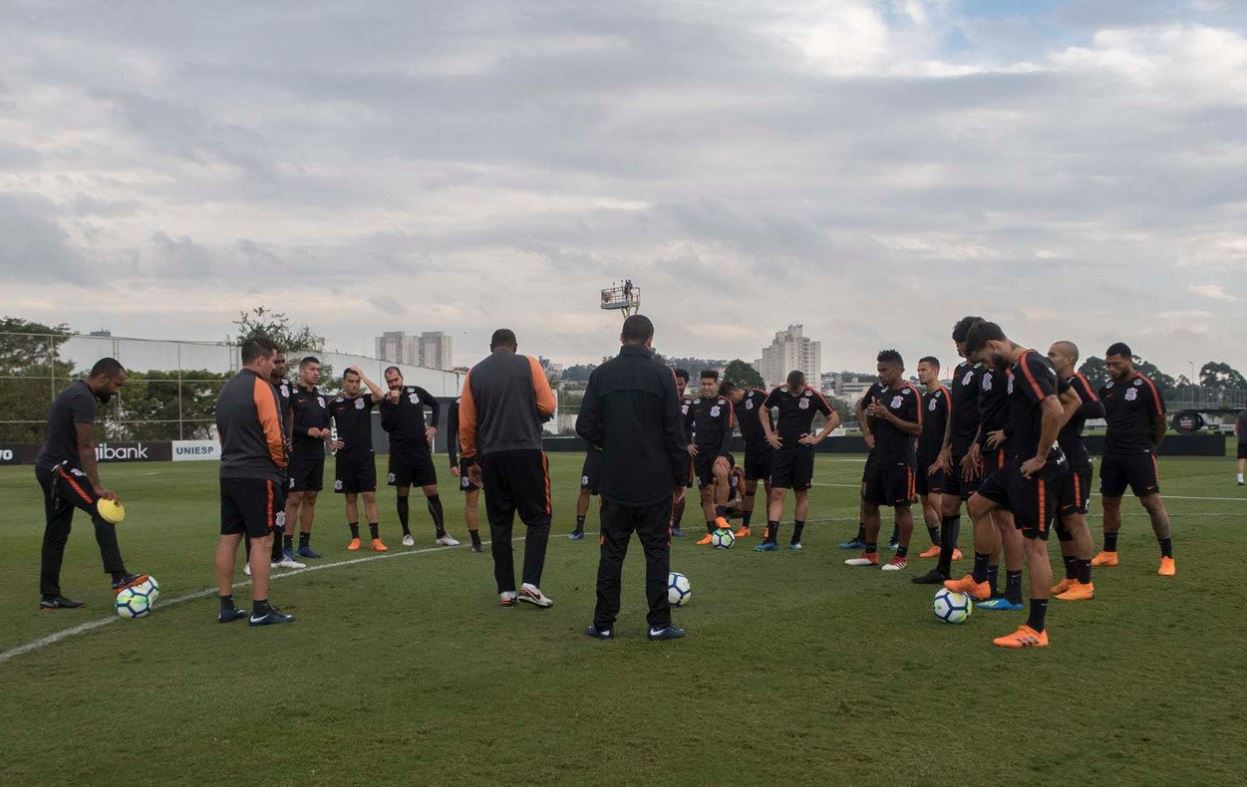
(720, 511)
(709, 526)
(374, 530)
(1083, 568)
(279, 537)
(476, 537)
(981, 561)
(1013, 587)
(798, 527)
(580, 524)
(861, 532)
(902, 551)
(772, 531)
(305, 540)
(404, 513)
(227, 603)
(1110, 542)
(260, 606)
(246, 542)
(354, 526)
(745, 519)
(439, 516)
(934, 533)
(679, 515)
(1166, 547)
(1039, 608)
(871, 548)
(287, 541)
(948, 539)
(896, 536)
(1071, 566)
(993, 579)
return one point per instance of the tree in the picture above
(31, 375)
(1095, 371)
(1221, 376)
(743, 375)
(156, 405)
(275, 326)
(578, 373)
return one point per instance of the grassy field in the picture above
(797, 669)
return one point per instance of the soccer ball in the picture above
(137, 601)
(722, 539)
(950, 607)
(679, 591)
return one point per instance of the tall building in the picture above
(431, 349)
(791, 349)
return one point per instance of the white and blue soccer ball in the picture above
(722, 539)
(952, 607)
(679, 590)
(137, 601)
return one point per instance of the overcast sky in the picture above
(874, 170)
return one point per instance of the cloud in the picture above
(873, 170)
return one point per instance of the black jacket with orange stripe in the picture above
(249, 425)
(505, 399)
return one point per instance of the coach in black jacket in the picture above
(632, 412)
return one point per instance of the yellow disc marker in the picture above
(111, 511)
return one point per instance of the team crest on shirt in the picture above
(804, 404)
(1131, 394)
(896, 401)
(292, 483)
(748, 404)
(337, 485)
(285, 391)
(987, 382)
(280, 520)
(931, 406)
(714, 411)
(359, 403)
(969, 376)
(414, 398)
(389, 477)
(464, 481)
(320, 400)
(1010, 385)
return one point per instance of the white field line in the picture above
(90, 625)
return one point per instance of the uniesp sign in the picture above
(133, 452)
(196, 450)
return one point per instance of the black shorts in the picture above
(993, 461)
(1137, 471)
(956, 484)
(1032, 501)
(793, 468)
(891, 482)
(1242, 450)
(691, 474)
(758, 462)
(591, 471)
(465, 480)
(251, 506)
(1075, 491)
(354, 473)
(703, 468)
(307, 473)
(925, 484)
(411, 467)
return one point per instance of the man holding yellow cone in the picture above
(67, 473)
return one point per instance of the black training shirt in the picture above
(308, 410)
(747, 416)
(1033, 379)
(1131, 408)
(708, 425)
(75, 405)
(905, 403)
(354, 421)
(934, 421)
(796, 413)
(404, 420)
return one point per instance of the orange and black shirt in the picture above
(1131, 408)
(249, 425)
(905, 403)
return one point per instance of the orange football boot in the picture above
(704, 540)
(354, 545)
(1024, 637)
(1063, 585)
(957, 554)
(1105, 559)
(743, 532)
(980, 591)
(934, 551)
(1078, 592)
(377, 546)
(1168, 567)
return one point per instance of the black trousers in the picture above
(63, 491)
(618, 524)
(517, 482)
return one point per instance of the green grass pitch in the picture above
(797, 669)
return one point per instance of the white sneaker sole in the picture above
(408, 541)
(890, 567)
(447, 541)
(859, 561)
(538, 600)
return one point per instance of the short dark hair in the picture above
(107, 366)
(962, 328)
(890, 356)
(796, 377)
(930, 360)
(503, 337)
(709, 374)
(682, 374)
(1119, 348)
(389, 369)
(257, 347)
(981, 333)
(350, 370)
(726, 387)
(637, 329)
(308, 359)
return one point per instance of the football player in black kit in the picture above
(355, 468)
(1028, 483)
(758, 452)
(961, 473)
(459, 469)
(792, 464)
(929, 478)
(679, 498)
(708, 426)
(868, 434)
(1071, 514)
(1135, 411)
(309, 413)
(896, 414)
(411, 459)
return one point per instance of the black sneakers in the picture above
(273, 617)
(59, 602)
